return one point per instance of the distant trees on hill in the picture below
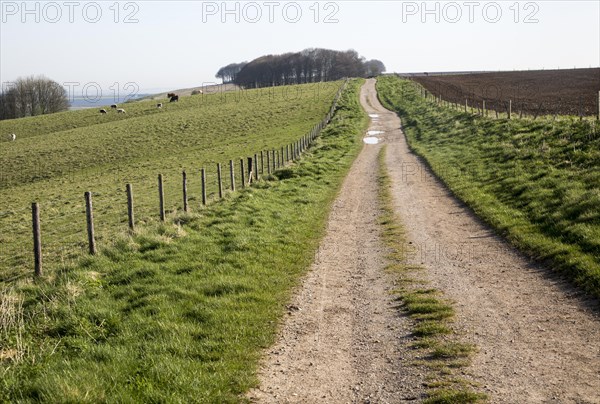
(31, 96)
(229, 73)
(374, 67)
(307, 66)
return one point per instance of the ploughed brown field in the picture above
(535, 92)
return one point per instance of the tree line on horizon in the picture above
(33, 95)
(307, 66)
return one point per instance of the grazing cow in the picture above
(170, 95)
(121, 111)
(12, 137)
(174, 98)
(159, 105)
(103, 111)
(114, 106)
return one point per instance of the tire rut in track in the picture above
(344, 340)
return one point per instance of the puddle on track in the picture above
(370, 140)
(374, 132)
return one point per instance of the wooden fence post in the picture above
(509, 109)
(130, 207)
(287, 153)
(203, 187)
(282, 155)
(483, 111)
(250, 170)
(185, 194)
(243, 173)
(161, 197)
(598, 105)
(262, 163)
(274, 161)
(89, 213)
(466, 104)
(232, 175)
(255, 167)
(37, 239)
(268, 162)
(219, 180)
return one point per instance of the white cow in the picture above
(159, 105)
(12, 137)
(121, 111)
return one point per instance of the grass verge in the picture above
(432, 314)
(179, 312)
(536, 182)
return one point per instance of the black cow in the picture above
(174, 98)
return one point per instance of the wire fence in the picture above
(46, 236)
(585, 107)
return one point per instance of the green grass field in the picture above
(180, 312)
(535, 181)
(56, 158)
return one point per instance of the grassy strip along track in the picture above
(178, 312)
(536, 182)
(442, 354)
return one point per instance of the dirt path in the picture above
(539, 340)
(344, 341)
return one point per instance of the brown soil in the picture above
(536, 92)
(538, 339)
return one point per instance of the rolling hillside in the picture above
(57, 157)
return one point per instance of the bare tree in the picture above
(31, 96)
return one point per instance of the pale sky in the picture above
(178, 44)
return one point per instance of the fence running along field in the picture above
(207, 185)
(508, 108)
(533, 93)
